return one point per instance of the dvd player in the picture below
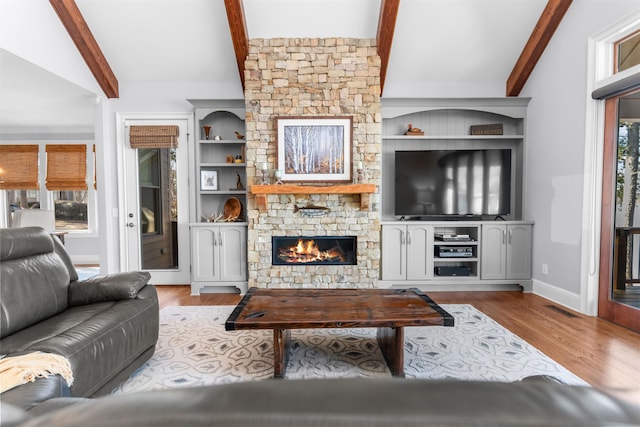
(455, 251)
(453, 271)
(453, 237)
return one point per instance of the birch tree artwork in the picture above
(314, 149)
(310, 152)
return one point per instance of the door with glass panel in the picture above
(619, 296)
(156, 208)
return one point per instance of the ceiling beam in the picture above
(238, 28)
(540, 36)
(386, 29)
(80, 33)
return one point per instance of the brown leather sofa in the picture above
(393, 402)
(106, 326)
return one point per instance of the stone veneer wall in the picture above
(313, 77)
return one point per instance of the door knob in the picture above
(131, 224)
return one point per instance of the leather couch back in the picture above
(34, 278)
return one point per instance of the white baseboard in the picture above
(560, 296)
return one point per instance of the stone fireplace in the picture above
(313, 77)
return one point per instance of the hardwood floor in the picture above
(603, 354)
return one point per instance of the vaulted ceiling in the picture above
(428, 45)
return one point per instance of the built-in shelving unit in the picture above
(497, 253)
(219, 248)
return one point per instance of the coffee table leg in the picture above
(391, 341)
(281, 340)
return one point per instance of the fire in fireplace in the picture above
(314, 250)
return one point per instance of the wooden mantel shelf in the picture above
(261, 191)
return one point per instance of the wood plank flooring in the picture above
(603, 354)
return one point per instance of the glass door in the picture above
(619, 297)
(156, 227)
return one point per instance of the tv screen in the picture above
(452, 182)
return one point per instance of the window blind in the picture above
(19, 167)
(66, 167)
(153, 136)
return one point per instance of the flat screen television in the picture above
(452, 183)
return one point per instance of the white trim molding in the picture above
(599, 74)
(558, 295)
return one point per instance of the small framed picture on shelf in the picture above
(208, 180)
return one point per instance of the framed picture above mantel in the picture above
(315, 148)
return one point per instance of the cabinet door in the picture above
(493, 259)
(394, 252)
(519, 251)
(232, 251)
(203, 254)
(419, 249)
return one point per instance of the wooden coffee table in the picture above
(389, 310)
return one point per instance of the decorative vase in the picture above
(207, 131)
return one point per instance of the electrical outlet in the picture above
(545, 269)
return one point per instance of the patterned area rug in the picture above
(194, 349)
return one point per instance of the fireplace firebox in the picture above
(314, 250)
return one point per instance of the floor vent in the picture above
(561, 311)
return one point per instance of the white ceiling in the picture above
(437, 43)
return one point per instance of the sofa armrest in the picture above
(110, 287)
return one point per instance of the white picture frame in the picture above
(315, 149)
(208, 180)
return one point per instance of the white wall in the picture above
(556, 124)
(31, 30)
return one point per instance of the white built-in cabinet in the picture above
(406, 251)
(493, 255)
(218, 249)
(497, 253)
(506, 251)
(218, 256)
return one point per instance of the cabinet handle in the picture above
(215, 240)
(402, 237)
(504, 236)
(408, 237)
(510, 236)
(220, 238)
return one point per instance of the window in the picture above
(627, 52)
(67, 181)
(71, 210)
(56, 180)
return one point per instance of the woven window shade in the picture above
(66, 167)
(153, 136)
(19, 167)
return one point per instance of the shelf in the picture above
(222, 165)
(261, 191)
(412, 137)
(222, 141)
(454, 259)
(455, 243)
(205, 192)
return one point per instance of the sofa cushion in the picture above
(112, 287)
(35, 280)
(42, 389)
(66, 259)
(24, 242)
(352, 402)
(99, 340)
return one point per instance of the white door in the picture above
(494, 252)
(394, 252)
(419, 250)
(154, 201)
